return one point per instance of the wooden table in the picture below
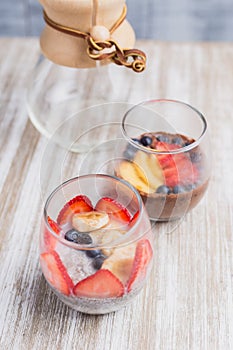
(188, 301)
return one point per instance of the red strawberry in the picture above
(49, 240)
(164, 146)
(171, 176)
(183, 173)
(54, 226)
(188, 172)
(55, 272)
(103, 284)
(177, 168)
(134, 219)
(166, 160)
(114, 209)
(79, 204)
(143, 256)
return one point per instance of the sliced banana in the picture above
(132, 173)
(109, 238)
(120, 263)
(106, 237)
(91, 221)
(152, 171)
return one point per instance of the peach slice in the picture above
(132, 173)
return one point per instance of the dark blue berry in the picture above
(136, 141)
(98, 262)
(190, 187)
(93, 253)
(78, 237)
(177, 141)
(146, 140)
(129, 152)
(178, 189)
(163, 138)
(187, 143)
(195, 157)
(163, 189)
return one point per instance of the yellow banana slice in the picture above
(120, 263)
(132, 173)
(153, 174)
(87, 222)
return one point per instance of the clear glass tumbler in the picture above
(96, 243)
(165, 155)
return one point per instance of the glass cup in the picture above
(165, 155)
(96, 243)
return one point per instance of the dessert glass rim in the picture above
(154, 151)
(119, 243)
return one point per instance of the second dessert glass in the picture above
(96, 243)
(166, 156)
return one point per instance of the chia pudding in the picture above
(96, 257)
(168, 172)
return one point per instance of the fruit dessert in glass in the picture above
(165, 156)
(96, 243)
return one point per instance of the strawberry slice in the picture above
(171, 176)
(50, 241)
(114, 209)
(54, 226)
(177, 168)
(55, 272)
(79, 204)
(166, 160)
(103, 284)
(134, 219)
(188, 172)
(143, 256)
(164, 146)
(184, 172)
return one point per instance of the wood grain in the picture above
(188, 301)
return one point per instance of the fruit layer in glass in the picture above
(165, 156)
(96, 243)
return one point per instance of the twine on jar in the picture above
(96, 50)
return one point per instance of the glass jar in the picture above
(96, 243)
(166, 156)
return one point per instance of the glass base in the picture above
(97, 306)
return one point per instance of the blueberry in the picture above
(187, 143)
(136, 141)
(129, 153)
(163, 138)
(195, 157)
(178, 189)
(146, 140)
(78, 237)
(93, 253)
(98, 262)
(190, 187)
(130, 150)
(163, 189)
(177, 141)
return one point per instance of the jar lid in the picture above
(77, 33)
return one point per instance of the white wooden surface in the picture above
(188, 301)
